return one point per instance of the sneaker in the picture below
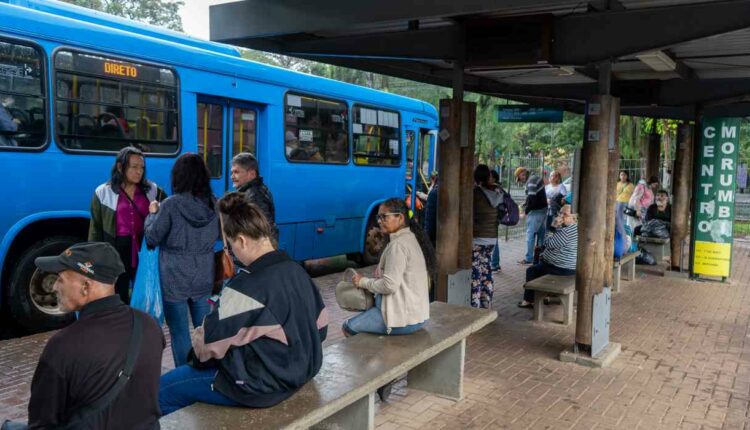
(524, 262)
(526, 305)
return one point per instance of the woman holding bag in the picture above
(119, 209)
(185, 227)
(401, 284)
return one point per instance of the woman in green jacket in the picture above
(119, 209)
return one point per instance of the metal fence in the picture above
(636, 168)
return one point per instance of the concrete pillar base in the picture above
(677, 275)
(603, 359)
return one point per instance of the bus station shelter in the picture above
(677, 59)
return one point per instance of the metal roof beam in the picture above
(259, 18)
(589, 38)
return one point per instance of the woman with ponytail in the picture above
(401, 284)
(263, 339)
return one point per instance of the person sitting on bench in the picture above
(402, 281)
(559, 255)
(262, 341)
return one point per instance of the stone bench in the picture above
(341, 396)
(660, 248)
(627, 261)
(556, 286)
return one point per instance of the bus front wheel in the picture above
(32, 300)
(375, 242)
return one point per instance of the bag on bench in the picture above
(352, 298)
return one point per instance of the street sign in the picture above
(526, 113)
(713, 211)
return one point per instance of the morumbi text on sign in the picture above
(714, 188)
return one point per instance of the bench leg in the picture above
(567, 304)
(630, 270)
(616, 273)
(358, 415)
(539, 305)
(443, 374)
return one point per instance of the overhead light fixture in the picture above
(658, 61)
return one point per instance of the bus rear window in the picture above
(377, 141)
(22, 100)
(316, 130)
(105, 104)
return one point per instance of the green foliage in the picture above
(164, 13)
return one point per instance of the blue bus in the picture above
(76, 86)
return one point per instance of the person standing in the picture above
(486, 201)
(246, 179)
(623, 193)
(86, 362)
(185, 227)
(555, 192)
(263, 340)
(119, 209)
(535, 209)
(430, 211)
(495, 262)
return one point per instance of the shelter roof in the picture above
(667, 57)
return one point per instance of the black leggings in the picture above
(124, 246)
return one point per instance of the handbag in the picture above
(223, 264)
(630, 212)
(352, 298)
(147, 287)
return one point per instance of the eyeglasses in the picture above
(382, 217)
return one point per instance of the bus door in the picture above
(225, 128)
(411, 168)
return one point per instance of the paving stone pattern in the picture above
(685, 362)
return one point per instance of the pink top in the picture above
(647, 198)
(129, 220)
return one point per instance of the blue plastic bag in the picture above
(147, 289)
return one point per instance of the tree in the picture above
(164, 13)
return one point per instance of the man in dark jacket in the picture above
(81, 362)
(535, 208)
(246, 179)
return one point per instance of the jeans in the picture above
(495, 263)
(371, 321)
(14, 425)
(539, 270)
(534, 231)
(176, 315)
(186, 385)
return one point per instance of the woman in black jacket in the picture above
(186, 228)
(262, 341)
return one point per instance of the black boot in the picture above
(385, 391)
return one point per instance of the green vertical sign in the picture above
(713, 213)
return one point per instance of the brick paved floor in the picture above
(685, 362)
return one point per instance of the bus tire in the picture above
(375, 242)
(31, 299)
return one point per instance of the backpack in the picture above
(507, 211)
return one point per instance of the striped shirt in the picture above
(561, 249)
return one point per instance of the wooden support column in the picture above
(592, 213)
(613, 167)
(682, 176)
(652, 155)
(455, 164)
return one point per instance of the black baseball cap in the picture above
(95, 260)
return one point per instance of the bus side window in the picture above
(377, 140)
(23, 119)
(316, 130)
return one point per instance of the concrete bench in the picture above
(627, 261)
(660, 248)
(341, 396)
(553, 285)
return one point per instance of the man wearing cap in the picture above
(535, 208)
(82, 362)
